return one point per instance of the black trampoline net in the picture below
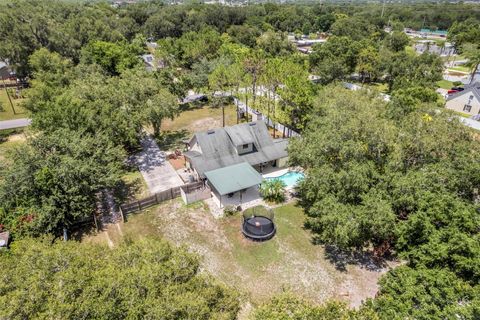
(258, 226)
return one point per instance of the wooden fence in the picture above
(157, 198)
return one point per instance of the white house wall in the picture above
(458, 103)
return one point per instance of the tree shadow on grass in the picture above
(126, 191)
(169, 140)
(341, 259)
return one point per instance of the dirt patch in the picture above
(18, 137)
(205, 124)
(178, 163)
(201, 119)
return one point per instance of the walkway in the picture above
(14, 124)
(156, 170)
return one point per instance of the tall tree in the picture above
(221, 85)
(254, 65)
(367, 64)
(53, 181)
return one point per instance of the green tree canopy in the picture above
(114, 58)
(145, 279)
(287, 306)
(369, 172)
(425, 294)
(52, 182)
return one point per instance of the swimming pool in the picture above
(290, 178)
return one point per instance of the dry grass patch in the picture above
(201, 119)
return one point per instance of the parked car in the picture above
(458, 88)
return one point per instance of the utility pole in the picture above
(8, 95)
(383, 8)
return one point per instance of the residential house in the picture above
(151, 63)
(231, 159)
(466, 101)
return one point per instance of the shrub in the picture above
(273, 190)
(230, 210)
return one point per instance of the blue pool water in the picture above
(290, 178)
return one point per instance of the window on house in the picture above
(467, 108)
(471, 97)
(245, 146)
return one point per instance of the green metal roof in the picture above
(233, 178)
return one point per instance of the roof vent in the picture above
(210, 131)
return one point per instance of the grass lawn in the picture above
(134, 186)
(8, 143)
(258, 269)
(380, 87)
(7, 113)
(410, 50)
(461, 114)
(193, 120)
(460, 68)
(445, 84)
(200, 118)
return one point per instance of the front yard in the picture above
(258, 270)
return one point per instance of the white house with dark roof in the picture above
(466, 101)
(231, 159)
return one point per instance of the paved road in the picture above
(13, 124)
(470, 123)
(156, 170)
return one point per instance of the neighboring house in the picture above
(4, 239)
(4, 71)
(152, 64)
(466, 101)
(232, 158)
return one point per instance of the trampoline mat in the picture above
(258, 226)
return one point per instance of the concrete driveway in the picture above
(156, 170)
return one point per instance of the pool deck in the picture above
(250, 198)
(275, 172)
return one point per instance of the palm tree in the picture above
(472, 53)
(254, 66)
(273, 190)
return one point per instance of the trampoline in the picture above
(258, 224)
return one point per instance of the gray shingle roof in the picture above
(218, 147)
(473, 88)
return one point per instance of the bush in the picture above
(273, 190)
(457, 83)
(230, 210)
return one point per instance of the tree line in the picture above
(397, 178)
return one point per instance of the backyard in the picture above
(259, 270)
(6, 111)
